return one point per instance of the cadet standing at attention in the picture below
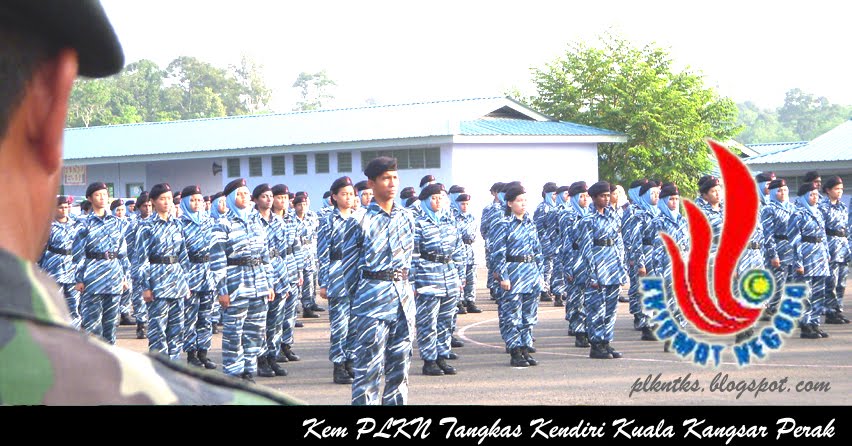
(806, 233)
(307, 235)
(836, 220)
(633, 248)
(573, 270)
(545, 234)
(140, 308)
(779, 252)
(467, 224)
(484, 228)
(294, 257)
(383, 311)
(57, 260)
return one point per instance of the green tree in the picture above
(254, 94)
(810, 116)
(666, 114)
(762, 125)
(313, 89)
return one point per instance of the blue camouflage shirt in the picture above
(277, 239)
(514, 237)
(98, 235)
(603, 264)
(241, 239)
(294, 256)
(160, 237)
(813, 257)
(432, 278)
(331, 237)
(661, 266)
(836, 219)
(60, 266)
(775, 218)
(199, 241)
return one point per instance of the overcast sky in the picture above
(398, 51)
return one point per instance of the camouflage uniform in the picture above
(59, 264)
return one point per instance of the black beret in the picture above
(806, 188)
(176, 198)
(234, 185)
(379, 166)
(159, 189)
(410, 201)
(427, 179)
(62, 199)
(85, 205)
(217, 196)
(831, 182)
(130, 203)
(577, 188)
(562, 189)
(497, 187)
(513, 191)
(638, 183)
(649, 184)
(432, 189)
(94, 187)
(668, 190)
(776, 183)
(326, 194)
(463, 197)
(599, 188)
(301, 193)
(208, 198)
(116, 203)
(708, 184)
(260, 189)
(456, 189)
(510, 185)
(764, 177)
(407, 192)
(811, 176)
(143, 197)
(299, 199)
(548, 188)
(189, 191)
(81, 25)
(361, 185)
(338, 184)
(280, 189)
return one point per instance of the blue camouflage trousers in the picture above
(274, 323)
(288, 315)
(139, 306)
(382, 348)
(342, 337)
(520, 313)
(575, 308)
(635, 296)
(782, 276)
(72, 300)
(470, 284)
(165, 326)
(815, 306)
(198, 327)
(243, 333)
(435, 315)
(601, 304)
(548, 272)
(308, 289)
(835, 287)
(99, 314)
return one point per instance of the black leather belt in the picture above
(833, 233)
(199, 259)
(780, 236)
(335, 255)
(245, 261)
(109, 255)
(520, 259)
(274, 253)
(60, 251)
(754, 245)
(163, 260)
(648, 241)
(439, 258)
(388, 275)
(604, 242)
(809, 239)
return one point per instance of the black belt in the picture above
(60, 251)
(288, 251)
(388, 275)
(274, 253)
(245, 261)
(833, 233)
(520, 259)
(809, 239)
(109, 255)
(604, 242)
(575, 246)
(754, 245)
(199, 259)
(335, 255)
(648, 241)
(780, 237)
(163, 260)
(439, 258)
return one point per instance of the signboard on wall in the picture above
(74, 175)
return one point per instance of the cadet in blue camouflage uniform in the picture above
(438, 268)
(836, 222)
(57, 260)
(602, 256)
(294, 256)
(806, 233)
(218, 209)
(365, 195)
(558, 285)
(545, 234)
(198, 238)
(332, 274)
(633, 246)
(103, 270)
(467, 225)
(276, 238)
(327, 205)
(119, 209)
(671, 222)
(763, 179)
(516, 256)
(496, 206)
(160, 252)
(573, 271)
(307, 235)
(640, 236)
(779, 252)
(240, 261)
(383, 310)
(140, 308)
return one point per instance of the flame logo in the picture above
(725, 315)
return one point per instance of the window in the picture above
(255, 167)
(134, 189)
(321, 160)
(233, 167)
(433, 158)
(300, 164)
(344, 162)
(278, 165)
(111, 190)
(408, 158)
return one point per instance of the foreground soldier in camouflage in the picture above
(35, 332)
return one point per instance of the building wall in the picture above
(117, 174)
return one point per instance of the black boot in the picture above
(648, 334)
(292, 357)
(615, 353)
(317, 308)
(743, 335)
(545, 297)
(309, 314)
(430, 368)
(581, 341)
(638, 321)
(281, 356)
(461, 308)
(623, 299)
(472, 308)
(531, 349)
(819, 331)
(298, 324)
(247, 376)
(525, 351)
(202, 357)
(276, 369)
(808, 332)
(558, 301)
(446, 368)
(140, 330)
(263, 368)
(833, 318)
(349, 369)
(340, 375)
(599, 351)
(452, 355)
(518, 358)
(456, 342)
(214, 329)
(126, 319)
(667, 346)
(192, 359)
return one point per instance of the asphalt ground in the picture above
(802, 372)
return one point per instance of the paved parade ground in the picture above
(565, 374)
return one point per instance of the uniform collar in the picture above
(27, 292)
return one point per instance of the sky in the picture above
(389, 52)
